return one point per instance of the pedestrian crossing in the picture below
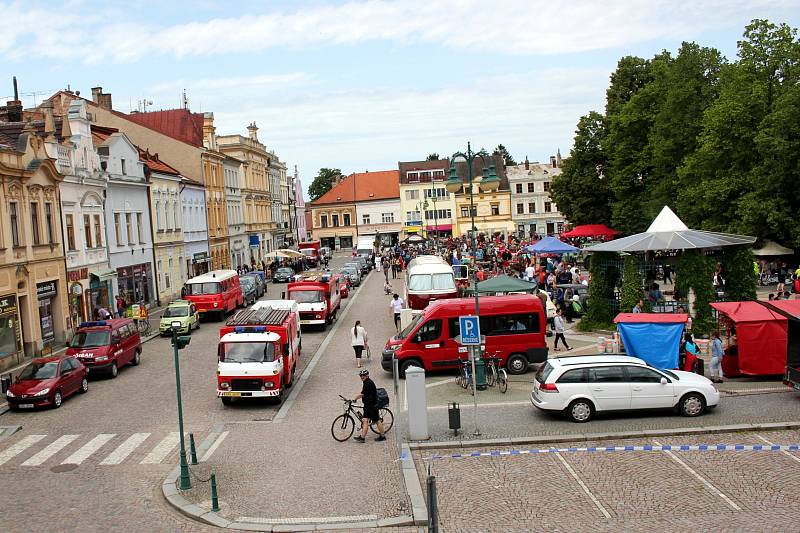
(104, 449)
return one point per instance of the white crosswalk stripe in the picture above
(88, 449)
(15, 449)
(125, 449)
(50, 450)
(163, 448)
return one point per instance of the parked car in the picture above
(107, 345)
(584, 385)
(283, 275)
(352, 274)
(261, 286)
(182, 311)
(365, 264)
(248, 290)
(47, 381)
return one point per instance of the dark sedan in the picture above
(283, 275)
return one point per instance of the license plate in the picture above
(305, 322)
(26, 406)
(231, 394)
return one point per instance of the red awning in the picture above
(747, 311)
(789, 306)
(442, 227)
(651, 318)
(591, 230)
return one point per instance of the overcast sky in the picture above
(362, 85)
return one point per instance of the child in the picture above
(387, 287)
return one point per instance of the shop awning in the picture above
(440, 227)
(104, 275)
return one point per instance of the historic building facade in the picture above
(425, 205)
(534, 212)
(234, 174)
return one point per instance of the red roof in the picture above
(789, 306)
(651, 318)
(156, 164)
(363, 187)
(101, 133)
(180, 124)
(755, 312)
(591, 230)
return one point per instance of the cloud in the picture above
(516, 27)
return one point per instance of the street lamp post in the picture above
(489, 182)
(178, 342)
(435, 215)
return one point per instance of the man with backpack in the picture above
(369, 397)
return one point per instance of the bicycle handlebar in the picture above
(345, 399)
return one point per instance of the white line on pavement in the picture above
(19, 447)
(437, 383)
(214, 446)
(85, 451)
(701, 479)
(583, 486)
(50, 450)
(162, 449)
(125, 449)
(793, 457)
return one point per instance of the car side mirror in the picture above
(663, 381)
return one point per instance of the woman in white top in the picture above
(359, 341)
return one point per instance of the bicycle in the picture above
(494, 374)
(344, 425)
(144, 327)
(465, 375)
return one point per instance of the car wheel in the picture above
(57, 399)
(114, 371)
(408, 363)
(580, 411)
(84, 386)
(137, 357)
(226, 400)
(517, 364)
(692, 404)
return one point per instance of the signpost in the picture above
(470, 337)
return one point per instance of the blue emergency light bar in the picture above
(249, 329)
(93, 324)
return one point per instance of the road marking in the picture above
(19, 447)
(701, 479)
(214, 446)
(125, 449)
(793, 457)
(437, 383)
(583, 486)
(162, 449)
(50, 450)
(85, 451)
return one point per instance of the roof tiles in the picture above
(363, 187)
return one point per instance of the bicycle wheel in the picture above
(465, 380)
(343, 427)
(502, 381)
(491, 375)
(388, 420)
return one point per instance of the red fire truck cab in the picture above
(318, 298)
(310, 249)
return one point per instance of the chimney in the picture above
(49, 122)
(252, 130)
(13, 109)
(100, 98)
(553, 161)
(527, 163)
(209, 137)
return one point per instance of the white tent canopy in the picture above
(668, 232)
(772, 248)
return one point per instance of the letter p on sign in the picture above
(470, 330)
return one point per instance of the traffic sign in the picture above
(470, 330)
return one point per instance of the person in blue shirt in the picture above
(715, 367)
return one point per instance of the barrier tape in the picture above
(639, 448)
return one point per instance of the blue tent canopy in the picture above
(551, 245)
(656, 343)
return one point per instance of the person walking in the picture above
(359, 341)
(638, 307)
(558, 325)
(369, 397)
(120, 306)
(395, 267)
(715, 367)
(396, 304)
(386, 268)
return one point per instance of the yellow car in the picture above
(182, 311)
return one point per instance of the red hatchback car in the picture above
(46, 381)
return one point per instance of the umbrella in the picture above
(288, 253)
(551, 245)
(668, 232)
(414, 238)
(772, 248)
(591, 230)
(279, 255)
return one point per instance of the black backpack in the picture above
(383, 397)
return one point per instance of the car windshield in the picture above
(247, 282)
(409, 328)
(307, 252)
(287, 271)
(307, 297)
(543, 372)
(39, 371)
(249, 352)
(90, 339)
(428, 282)
(178, 311)
(667, 372)
(196, 289)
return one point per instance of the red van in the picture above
(514, 326)
(215, 292)
(106, 345)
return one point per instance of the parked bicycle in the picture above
(495, 375)
(345, 424)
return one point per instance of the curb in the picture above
(7, 431)
(577, 437)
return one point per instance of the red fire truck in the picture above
(318, 298)
(310, 249)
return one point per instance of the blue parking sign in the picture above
(470, 330)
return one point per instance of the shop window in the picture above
(35, 222)
(70, 233)
(48, 221)
(14, 215)
(87, 230)
(98, 231)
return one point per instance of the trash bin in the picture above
(480, 374)
(454, 417)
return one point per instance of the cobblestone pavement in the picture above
(623, 491)
(293, 468)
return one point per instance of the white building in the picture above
(379, 217)
(234, 179)
(195, 228)
(280, 200)
(299, 209)
(532, 209)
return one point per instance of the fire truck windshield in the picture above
(307, 297)
(249, 352)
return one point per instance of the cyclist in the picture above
(369, 397)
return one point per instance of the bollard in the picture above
(214, 496)
(192, 451)
(433, 504)
(454, 417)
(417, 404)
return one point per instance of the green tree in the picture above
(739, 274)
(599, 312)
(432, 157)
(323, 182)
(506, 156)
(632, 285)
(695, 271)
(582, 190)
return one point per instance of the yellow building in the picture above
(492, 209)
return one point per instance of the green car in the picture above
(182, 311)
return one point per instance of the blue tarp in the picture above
(551, 245)
(658, 344)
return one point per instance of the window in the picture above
(129, 224)
(464, 212)
(516, 324)
(495, 209)
(365, 219)
(519, 188)
(413, 216)
(122, 162)
(70, 233)
(12, 211)
(166, 274)
(530, 187)
(430, 331)
(546, 186)
(346, 219)
(573, 376)
(428, 282)
(387, 218)
(117, 228)
(637, 374)
(48, 222)
(606, 374)
(323, 221)
(35, 222)
(412, 194)
(98, 231)
(520, 208)
(87, 231)
(547, 207)
(438, 193)
(335, 220)
(140, 227)
(531, 207)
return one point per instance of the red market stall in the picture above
(591, 230)
(754, 337)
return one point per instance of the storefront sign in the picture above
(200, 257)
(77, 275)
(46, 289)
(254, 241)
(8, 304)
